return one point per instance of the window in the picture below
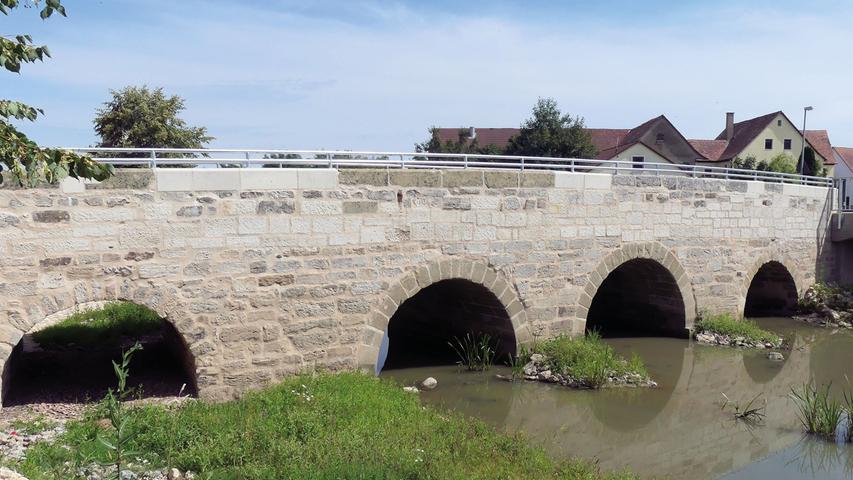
(787, 144)
(638, 161)
(768, 144)
(778, 123)
(659, 139)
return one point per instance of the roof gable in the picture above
(846, 155)
(744, 133)
(819, 141)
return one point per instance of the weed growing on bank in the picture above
(475, 353)
(106, 325)
(325, 426)
(727, 325)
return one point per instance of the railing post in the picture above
(153, 159)
(465, 161)
(522, 164)
(402, 161)
(572, 165)
(840, 208)
(246, 165)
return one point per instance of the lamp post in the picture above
(802, 162)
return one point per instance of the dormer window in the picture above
(768, 144)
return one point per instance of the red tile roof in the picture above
(710, 149)
(744, 133)
(819, 140)
(846, 155)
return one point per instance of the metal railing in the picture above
(236, 158)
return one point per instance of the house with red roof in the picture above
(654, 141)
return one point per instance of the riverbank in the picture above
(323, 426)
(827, 305)
(726, 330)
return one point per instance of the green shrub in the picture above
(588, 359)
(726, 324)
(326, 426)
(475, 353)
(100, 326)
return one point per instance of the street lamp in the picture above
(802, 168)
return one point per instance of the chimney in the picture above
(730, 126)
(472, 133)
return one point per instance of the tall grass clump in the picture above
(325, 426)
(100, 326)
(588, 359)
(728, 325)
(819, 414)
(475, 353)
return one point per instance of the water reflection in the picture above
(678, 429)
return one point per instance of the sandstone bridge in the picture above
(264, 272)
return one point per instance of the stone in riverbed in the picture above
(429, 383)
(775, 356)
(411, 389)
(6, 474)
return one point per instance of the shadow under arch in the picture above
(429, 307)
(58, 363)
(772, 291)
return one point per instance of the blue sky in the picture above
(364, 74)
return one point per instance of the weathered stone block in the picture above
(125, 179)
(271, 280)
(275, 207)
(462, 178)
(51, 216)
(359, 206)
(415, 178)
(500, 179)
(377, 178)
(537, 179)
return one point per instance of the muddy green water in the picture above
(677, 430)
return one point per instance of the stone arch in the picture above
(21, 318)
(650, 256)
(773, 264)
(477, 272)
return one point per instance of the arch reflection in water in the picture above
(420, 330)
(638, 298)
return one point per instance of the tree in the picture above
(549, 133)
(748, 163)
(139, 117)
(812, 165)
(462, 144)
(782, 163)
(29, 164)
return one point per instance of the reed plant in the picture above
(475, 352)
(818, 413)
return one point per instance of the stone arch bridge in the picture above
(266, 272)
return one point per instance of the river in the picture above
(678, 430)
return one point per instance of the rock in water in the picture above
(410, 389)
(429, 383)
(174, 474)
(775, 356)
(6, 474)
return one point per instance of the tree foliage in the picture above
(463, 144)
(550, 133)
(27, 163)
(145, 118)
(782, 163)
(812, 165)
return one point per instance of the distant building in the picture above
(658, 141)
(763, 138)
(844, 170)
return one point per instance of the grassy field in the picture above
(328, 426)
(726, 324)
(101, 326)
(588, 358)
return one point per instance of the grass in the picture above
(726, 324)
(819, 414)
(475, 352)
(106, 325)
(326, 426)
(588, 359)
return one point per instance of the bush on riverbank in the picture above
(100, 326)
(828, 305)
(313, 427)
(725, 329)
(587, 362)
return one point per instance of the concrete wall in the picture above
(268, 272)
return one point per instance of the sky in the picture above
(375, 75)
